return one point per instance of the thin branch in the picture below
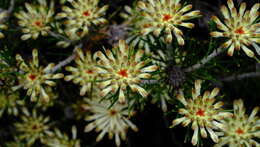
(241, 76)
(205, 60)
(58, 36)
(149, 81)
(8, 11)
(67, 60)
(11, 7)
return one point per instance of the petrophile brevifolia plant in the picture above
(159, 73)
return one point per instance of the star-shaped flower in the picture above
(166, 16)
(121, 67)
(202, 112)
(36, 20)
(82, 15)
(36, 78)
(239, 27)
(240, 130)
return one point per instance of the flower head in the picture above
(166, 16)
(62, 140)
(36, 78)
(123, 67)
(85, 72)
(9, 102)
(36, 20)
(82, 15)
(33, 127)
(2, 26)
(240, 130)
(240, 27)
(202, 112)
(112, 120)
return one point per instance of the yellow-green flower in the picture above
(134, 25)
(202, 111)
(9, 102)
(85, 72)
(82, 15)
(2, 26)
(109, 119)
(62, 139)
(166, 16)
(33, 127)
(36, 78)
(240, 130)
(122, 67)
(36, 20)
(239, 27)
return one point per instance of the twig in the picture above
(11, 7)
(58, 36)
(241, 76)
(8, 11)
(67, 60)
(205, 60)
(151, 81)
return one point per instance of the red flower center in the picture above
(147, 25)
(113, 112)
(34, 127)
(166, 17)
(200, 112)
(239, 131)
(86, 13)
(123, 73)
(38, 23)
(89, 71)
(240, 31)
(32, 77)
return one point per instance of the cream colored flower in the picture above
(2, 26)
(109, 118)
(82, 15)
(166, 16)
(240, 130)
(85, 73)
(202, 111)
(36, 78)
(239, 27)
(62, 140)
(33, 127)
(122, 67)
(80, 106)
(36, 20)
